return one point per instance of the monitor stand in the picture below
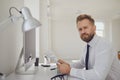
(25, 69)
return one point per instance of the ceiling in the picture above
(99, 9)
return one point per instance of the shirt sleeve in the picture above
(79, 64)
(102, 65)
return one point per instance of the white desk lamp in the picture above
(29, 22)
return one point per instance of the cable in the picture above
(60, 76)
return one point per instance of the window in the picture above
(99, 28)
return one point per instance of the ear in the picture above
(94, 28)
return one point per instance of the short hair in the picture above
(85, 16)
(118, 51)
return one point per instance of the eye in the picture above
(85, 27)
(80, 29)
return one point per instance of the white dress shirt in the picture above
(102, 62)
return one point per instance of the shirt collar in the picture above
(92, 43)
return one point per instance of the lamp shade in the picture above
(29, 22)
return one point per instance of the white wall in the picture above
(45, 30)
(58, 33)
(115, 33)
(10, 37)
(65, 38)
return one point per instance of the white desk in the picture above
(42, 73)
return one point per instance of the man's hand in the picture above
(61, 61)
(63, 67)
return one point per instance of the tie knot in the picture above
(88, 45)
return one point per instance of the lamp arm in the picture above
(15, 18)
(28, 23)
(7, 20)
(12, 17)
(15, 9)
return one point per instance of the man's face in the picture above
(86, 30)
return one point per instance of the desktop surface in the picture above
(42, 73)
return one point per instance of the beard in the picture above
(87, 37)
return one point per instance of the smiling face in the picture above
(86, 30)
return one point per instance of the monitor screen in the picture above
(29, 48)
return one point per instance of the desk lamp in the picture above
(28, 21)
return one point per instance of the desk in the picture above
(42, 73)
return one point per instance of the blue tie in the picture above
(87, 57)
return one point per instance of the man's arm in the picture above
(79, 64)
(65, 67)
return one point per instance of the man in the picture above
(98, 61)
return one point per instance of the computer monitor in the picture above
(28, 54)
(29, 48)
